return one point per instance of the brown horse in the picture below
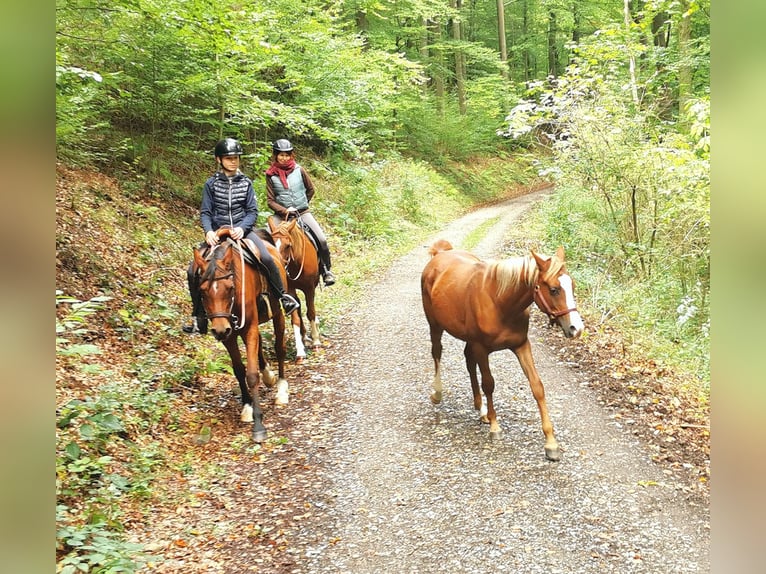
(486, 304)
(302, 266)
(230, 289)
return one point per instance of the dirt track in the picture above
(375, 479)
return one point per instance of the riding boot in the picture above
(198, 323)
(327, 275)
(289, 304)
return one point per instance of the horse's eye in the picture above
(555, 291)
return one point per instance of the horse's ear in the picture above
(543, 263)
(199, 261)
(560, 252)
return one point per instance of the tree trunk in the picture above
(631, 58)
(552, 52)
(576, 21)
(459, 60)
(525, 39)
(501, 37)
(435, 31)
(685, 71)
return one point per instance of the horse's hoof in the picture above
(436, 398)
(259, 436)
(553, 454)
(299, 360)
(494, 435)
(484, 419)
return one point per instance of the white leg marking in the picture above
(247, 414)
(300, 350)
(282, 393)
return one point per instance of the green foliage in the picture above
(633, 203)
(93, 548)
(73, 321)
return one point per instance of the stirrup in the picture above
(289, 304)
(192, 327)
(329, 278)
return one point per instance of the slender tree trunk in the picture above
(459, 60)
(685, 71)
(552, 52)
(525, 39)
(501, 37)
(423, 48)
(438, 61)
(632, 59)
(576, 21)
(362, 24)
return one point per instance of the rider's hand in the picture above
(237, 233)
(211, 238)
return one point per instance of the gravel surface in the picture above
(412, 487)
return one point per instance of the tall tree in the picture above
(459, 56)
(685, 71)
(501, 36)
(553, 57)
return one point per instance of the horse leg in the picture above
(478, 402)
(267, 375)
(311, 313)
(436, 353)
(488, 386)
(232, 346)
(252, 348)
(280, 349)
(524, 354)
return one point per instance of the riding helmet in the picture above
(228, 146)
(282, 145)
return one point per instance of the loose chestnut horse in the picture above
(302, 266)
(230, 288)
(486, 304)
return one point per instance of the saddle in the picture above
(252, 257)
(308, 233)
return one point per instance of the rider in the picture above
(288, 192)
(228, 199)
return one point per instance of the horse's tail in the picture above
(439, 246)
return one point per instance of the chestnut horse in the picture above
(230, 289)
(302, 265)
(486, 304)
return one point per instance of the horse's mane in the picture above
(208, 274)
(519, 272)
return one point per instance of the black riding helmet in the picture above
(228, 146)
(282, 146)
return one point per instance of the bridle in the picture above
(546, 308)
(233, 318)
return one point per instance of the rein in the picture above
(303, 258)
(230, 315)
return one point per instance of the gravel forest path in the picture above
(375, 479)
